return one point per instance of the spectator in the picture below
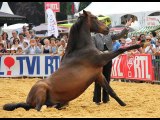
(158, 46)
(141, 37)
(14, 35)
(62, 47)
(153, 37)
(25, 47)
(24, 29)
(19, 51)
(15, 44)
(13, 51)
(54, 48)
(116, 44)
(135, 51)
(2, 48)
(32, 33)
(21, 40)
(150, 48)
(5, 38)
(2, 41)
(28, 37)
(33, 48)
(46, 47)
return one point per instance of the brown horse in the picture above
(81, 65)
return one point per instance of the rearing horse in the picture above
(81, 65)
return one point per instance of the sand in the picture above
(142, 99)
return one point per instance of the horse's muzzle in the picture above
(106, 31)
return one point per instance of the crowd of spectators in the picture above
(152, 45)
(27, 42)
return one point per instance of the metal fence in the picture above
(156, 65)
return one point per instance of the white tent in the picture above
(109, 8)
(5, 8)
(117, 9)
(10, 28)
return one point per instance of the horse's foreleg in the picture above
(108, 89)
(106, 57)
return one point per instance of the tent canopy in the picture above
(110, 8)
(145, 30)
(11, 19)
(106, 19)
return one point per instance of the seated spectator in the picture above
(2, 48)
(33, 48)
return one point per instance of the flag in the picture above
(52, 23)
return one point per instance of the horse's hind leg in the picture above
(108, 89)
(39, 96)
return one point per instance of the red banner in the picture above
(55, 6)
(137, 67)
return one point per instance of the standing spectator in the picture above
(24, 29)
(14, 35)
(62, 47)
(15, 44)
(104, 43)
(5, 38)
(153, 37)
(46, 47)
(21, 40)
(33, 48)
(28, 37)
(25, 47)
(150, 48)
(135, 51)
(115, 44)
(2, 48)
(141, 37)
(158, 46)
(32, 33)
(19, 51)
(54, 48)
(2, 41)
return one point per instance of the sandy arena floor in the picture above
(142, 99)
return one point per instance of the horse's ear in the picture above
(85, 13)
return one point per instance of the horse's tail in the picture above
(13, 106)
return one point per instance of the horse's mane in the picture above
(74, 35)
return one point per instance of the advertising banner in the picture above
(28, 65)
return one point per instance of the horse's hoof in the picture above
(123, 104)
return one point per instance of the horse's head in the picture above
(94, 24)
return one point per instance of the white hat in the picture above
(128, 40)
